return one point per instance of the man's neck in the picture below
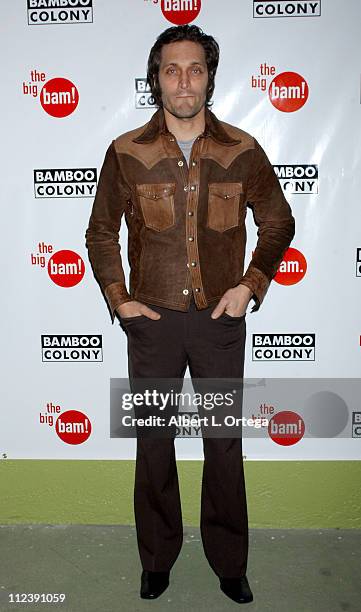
(187, 128)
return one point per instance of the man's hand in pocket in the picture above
(135, 309)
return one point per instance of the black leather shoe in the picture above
(237, 589)
(153, 584)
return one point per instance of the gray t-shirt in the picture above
(186, 147)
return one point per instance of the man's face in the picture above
(183, 78)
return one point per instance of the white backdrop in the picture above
(102, 55)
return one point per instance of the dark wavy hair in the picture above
(178, 33)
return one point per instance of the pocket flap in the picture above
(155, 191)
(225, 190)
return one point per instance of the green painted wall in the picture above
(284, 494)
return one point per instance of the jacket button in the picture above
(197, 289)
(191, 238)
(194, 263)
(193, 187)
(180, 163)
(194, 163)
(185, 291)
(190, 213)
(185, 188)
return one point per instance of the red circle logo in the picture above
(73, 427)
(66, 268)
(59, 97)
(286, 428)
(288, 92)
(173, 11)
(292, 268)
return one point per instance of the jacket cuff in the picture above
(258, 283)
(116, 294)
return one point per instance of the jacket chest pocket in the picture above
(157, 204)
(223, 205)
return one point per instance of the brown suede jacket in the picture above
(186, 226)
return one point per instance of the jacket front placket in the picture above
(191, 185)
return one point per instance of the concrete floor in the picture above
(98, 568)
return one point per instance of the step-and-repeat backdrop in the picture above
(73, 79)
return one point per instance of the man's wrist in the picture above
(249, 291)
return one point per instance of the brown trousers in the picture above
(212, 348)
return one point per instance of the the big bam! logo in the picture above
(59, 97)
(286, 428)
(292, 268)
(287, 92)
(180, 12)
(65, 268)
(46, 12)
(72, 426)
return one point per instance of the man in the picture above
(183, 181)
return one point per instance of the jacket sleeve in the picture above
(276, 226)
(102, 234)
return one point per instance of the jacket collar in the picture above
(157, 126)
